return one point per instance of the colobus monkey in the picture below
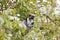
(29, 21)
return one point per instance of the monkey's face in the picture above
(31, 17)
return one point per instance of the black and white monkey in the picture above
(29, 21)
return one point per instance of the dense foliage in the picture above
(46, 22)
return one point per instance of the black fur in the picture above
(31, 17)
